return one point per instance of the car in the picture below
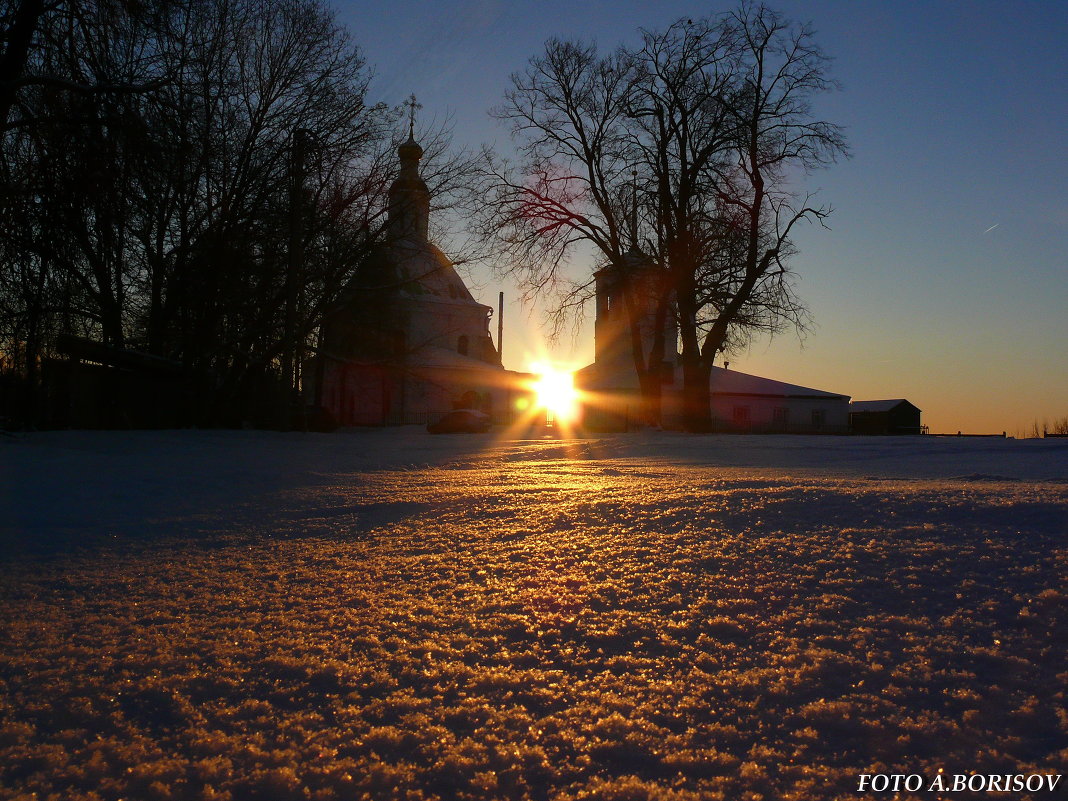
(461, 421)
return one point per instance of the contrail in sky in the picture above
(991, 228)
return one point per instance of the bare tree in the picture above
(172, 219)
(775, 139)
(575, 188)
(66, 67)
(682, 134)
(714, 118)
(20, 24)
(33, 29)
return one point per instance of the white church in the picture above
(408, 342)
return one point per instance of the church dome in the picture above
(409, 151)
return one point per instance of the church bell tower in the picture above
(611, 339)
(409, 198)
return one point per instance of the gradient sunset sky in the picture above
(943, 278)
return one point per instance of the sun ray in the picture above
(556, 393)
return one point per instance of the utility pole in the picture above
(634, 210)
(500, 328)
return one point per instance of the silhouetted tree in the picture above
(773, 137)
(711, 119)
(570, 114)
(153, 196)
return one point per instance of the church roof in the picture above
(407, 270)
(595, 377)
(878, 405)
(408, 264)
(732, 382)
(721, 382)
(634, 262)
(410, 151)
(424, 271)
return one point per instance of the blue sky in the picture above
(943, 278)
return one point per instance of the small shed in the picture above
(895, 416)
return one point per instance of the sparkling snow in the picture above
(390, 615)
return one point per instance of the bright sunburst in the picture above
(556, 393)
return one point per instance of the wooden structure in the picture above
(895, 416)
(100, 386)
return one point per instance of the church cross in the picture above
(412, 106)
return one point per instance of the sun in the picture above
(556, 393)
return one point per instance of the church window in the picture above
(781, 415)
(608, 305)
(461, 345)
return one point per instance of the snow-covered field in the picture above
(389, 615)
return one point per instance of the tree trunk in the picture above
(648, 383)
(13, 61)
(697, 397)
(696, 400)
(31, 413)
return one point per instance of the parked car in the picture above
(461, 421)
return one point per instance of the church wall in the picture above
(359, 394)
(428, 401)
(612, 337)
(441, 325)
(611, 411)
(384, 349)
(444, 389)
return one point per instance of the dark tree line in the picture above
(685, 148)
(196, 179)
